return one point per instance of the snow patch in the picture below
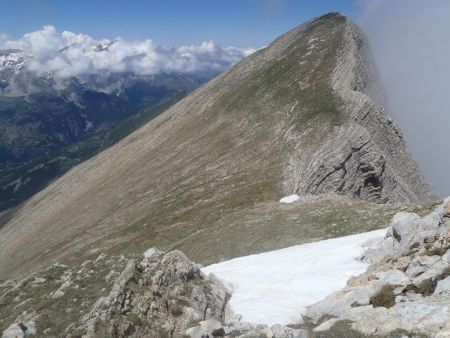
(290, 198)
(150, 252)
(275, 287)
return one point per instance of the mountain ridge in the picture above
(269, 126)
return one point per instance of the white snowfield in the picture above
(290, 199)
(275, 287)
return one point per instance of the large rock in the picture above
(20, 329)
(447, 209)
(161, 294)
(442, 286)
(416, 271)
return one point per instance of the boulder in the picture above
(19, 330)
(280, 331)
(393, 277)
(446, 212)
(446, 258)
(164, 293)
(442, 286)
(205, 329)
(404, 230)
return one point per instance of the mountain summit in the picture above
(301, 116)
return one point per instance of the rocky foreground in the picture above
(158, 295)
(404, 293)
(406, 287)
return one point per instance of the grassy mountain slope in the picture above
(205, 176)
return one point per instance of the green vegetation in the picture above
(176, 310)
(134, 319)
(55, 314)
(384, 298)
(427, 286)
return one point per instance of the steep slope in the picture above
(206, 175)
(48, 131)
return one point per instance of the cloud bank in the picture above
(410, 43)
(68, 54)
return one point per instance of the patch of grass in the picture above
(384, 298)
(176, 310)
(134, 319)
(402, 333)
(436, 252)
(428, 286)
(343, 329)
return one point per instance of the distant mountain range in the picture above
(49, 124)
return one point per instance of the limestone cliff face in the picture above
(296, 116)
(366, 156)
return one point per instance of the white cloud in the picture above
(3, 37)
(409, 39)
(68, 54)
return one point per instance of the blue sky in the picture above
(240, 23)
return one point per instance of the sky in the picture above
(171, 23)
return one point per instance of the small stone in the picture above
(446, 258)
(58, 294)
(393, 277)
(101, 257)
(38, 280)
(442, 286)
(19, 330)
(447, 209)
(325, 326)
(218, 333)
(268, 332)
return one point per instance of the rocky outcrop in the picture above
(159, 295)
(407, 286)
(366, 157)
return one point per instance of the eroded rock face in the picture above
(366, 156)
(406, 287)
(161, 295)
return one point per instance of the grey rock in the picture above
(19, 330)
(415, 309)
(393, 277)
(446, 258)
(280, 331)
(366, 156)
(204, 329)
(404, 230)
(38, 280)
(446, 212)
(161, 293)
(442, 286)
